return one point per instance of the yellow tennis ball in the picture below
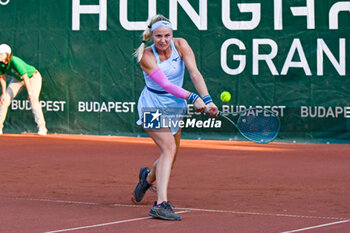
(225, 96)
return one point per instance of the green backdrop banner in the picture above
(289, 56)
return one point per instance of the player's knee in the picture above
(173, 149)
(170, 150)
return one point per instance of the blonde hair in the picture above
(146, 35)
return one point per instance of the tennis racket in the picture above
(255, 124)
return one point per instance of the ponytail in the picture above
(145, 36)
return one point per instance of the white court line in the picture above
(188, 209)
(106, 224)
(58, 201)
(318, 226)
(264, 214)
(79, 202)
(344, 220)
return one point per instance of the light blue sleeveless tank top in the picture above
(173, 68)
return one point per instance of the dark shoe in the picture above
(143, 185)
(164, 211)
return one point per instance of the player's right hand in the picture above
(212, 109)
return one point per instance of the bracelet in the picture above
(207, 99)
(193, 97)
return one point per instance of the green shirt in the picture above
(17, 68)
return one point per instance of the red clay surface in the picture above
(66, 183)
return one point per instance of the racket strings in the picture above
(260, 126)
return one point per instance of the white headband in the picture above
(161, 23)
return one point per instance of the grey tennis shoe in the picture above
(143, 185)
(164, 211)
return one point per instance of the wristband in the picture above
(207, 99)
(193, 97)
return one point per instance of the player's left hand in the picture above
(212, 110)
(199, 105)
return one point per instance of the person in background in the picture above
(22, 76)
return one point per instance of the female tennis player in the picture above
(23, 75)
(163, 66)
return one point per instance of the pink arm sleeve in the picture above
(159, 77)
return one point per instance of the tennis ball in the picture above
(225, 96)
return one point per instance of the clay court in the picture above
(66, 183)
